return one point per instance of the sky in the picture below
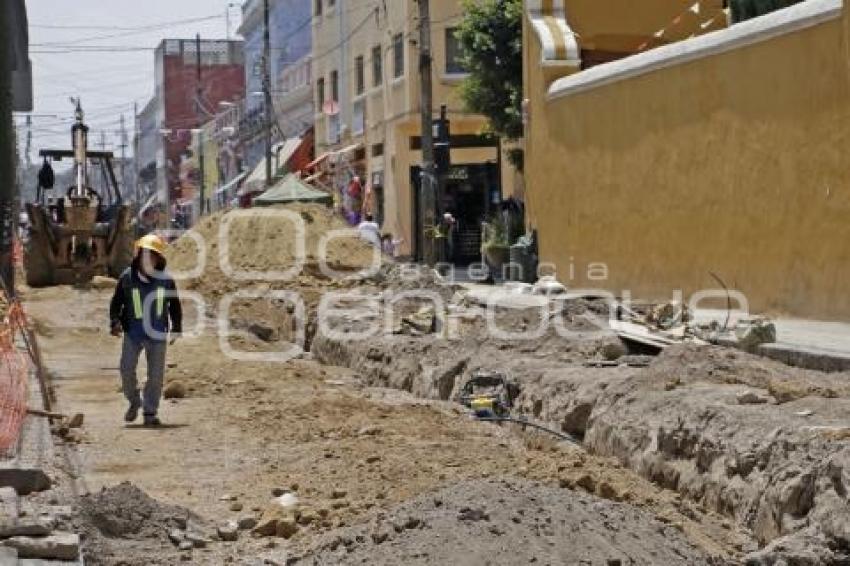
(63, 36)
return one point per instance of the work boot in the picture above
(152, 420)
(132, 413)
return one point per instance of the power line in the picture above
(134, 31)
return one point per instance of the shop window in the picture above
(454, 53)
(398, 56)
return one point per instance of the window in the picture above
(319, 7)
(398, 55)
(377, 66)
(360, 74)
(331, 4)
(358, 121)
(320, 91)
(335, 86)
(454, 53)
(377, 149)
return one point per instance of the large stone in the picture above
(272, 516)
(26, 526)
(286, 527)
(228, 532)
(8, 503)
(58, 546)
(24, 480)
(174, 390)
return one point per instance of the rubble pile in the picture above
(121, 523)
(519, 521)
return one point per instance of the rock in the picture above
(228, 532)
(27, 527)
(288, 500)
(176, 536)
(227, 497)
(236, 506)
(174, 390)
(246, 523)
(751, 398)
(339, 504)
(308, 517)
(76, 421)
(368, 431)
(278, 491)
(373, 459)
(197, 540)
(186, 545)
(58, 546)
(274, 514)
(24, 480)
(338, 493)
(469, 514)
(286, 527)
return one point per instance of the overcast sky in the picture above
(108, 82)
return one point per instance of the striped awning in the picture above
(549, 20)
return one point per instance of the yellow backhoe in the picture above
(82, 232)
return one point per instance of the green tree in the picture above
(747, 9)
(490, 36)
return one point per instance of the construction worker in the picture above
(145, 308)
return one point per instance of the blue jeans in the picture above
(155, 357)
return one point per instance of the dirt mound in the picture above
(122, 522)
(508, 521)
(264, 241)
(267, 240)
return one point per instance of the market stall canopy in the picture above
(291, 189)
(281, 153)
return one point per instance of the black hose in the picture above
(561, 435)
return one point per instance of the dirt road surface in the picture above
(352, 455)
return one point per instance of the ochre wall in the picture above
(737, 163)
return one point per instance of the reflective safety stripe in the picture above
(160, 301)
(137, 304)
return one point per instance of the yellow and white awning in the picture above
(549, 20)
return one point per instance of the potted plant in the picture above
(496, 242)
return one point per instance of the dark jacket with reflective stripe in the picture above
(128, 302)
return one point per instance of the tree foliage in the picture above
(490, 35)
(747, 9)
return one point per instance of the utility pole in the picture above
(267, 90)
(198, 97)
(7, 152)
(123, 147)
(136, 165)
(428, 204)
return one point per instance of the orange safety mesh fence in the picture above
(14, 376)
(18, 253)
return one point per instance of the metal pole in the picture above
(136, 144)
(200, 110)
(267, 92)
(427, 190)
(7, 151)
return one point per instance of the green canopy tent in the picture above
(291, 189)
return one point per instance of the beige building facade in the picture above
(367, 99)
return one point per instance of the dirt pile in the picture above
(509, 521)
(121, 524)
(265, 241)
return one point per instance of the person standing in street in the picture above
(146, 309)
(370, 231)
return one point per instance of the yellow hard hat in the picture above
(151, 242)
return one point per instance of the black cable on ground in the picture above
(560, 435)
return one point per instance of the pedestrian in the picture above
(370, 231)
(145, 308)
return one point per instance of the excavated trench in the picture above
(764, 444)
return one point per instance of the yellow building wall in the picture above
(736, 163)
